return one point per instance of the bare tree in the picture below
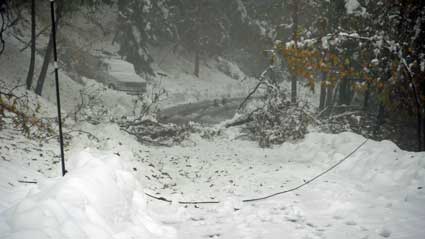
(30, 74)
(4, 7)
(197, 41)
(295, 13)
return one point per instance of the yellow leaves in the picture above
(308, 62)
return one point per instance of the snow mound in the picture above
(97, 199)
(381, 164)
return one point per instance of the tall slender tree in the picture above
(4, 17)
(30, 74)
(49, 51)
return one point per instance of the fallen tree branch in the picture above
(27, 182)
(242, 120)
(261, 80)
(312, 117)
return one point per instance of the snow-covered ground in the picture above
(377, 193)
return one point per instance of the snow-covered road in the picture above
(377, 193)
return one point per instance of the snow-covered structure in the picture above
(124, 77)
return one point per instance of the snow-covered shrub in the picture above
(277, 119)
(23, 112)
(205, 132)
(278, 122)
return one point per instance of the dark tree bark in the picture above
(423, 131)
(329, 94)
(49, 53)
(379, 119)
(322, 93)
(418, 118)
(343, 92)
(417, 102)
(44, 67)
(294, 89)
(366, 97)
(30, 74)
(197, 59)
(295, 38)
(197, 42)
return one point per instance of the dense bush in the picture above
(279, 122)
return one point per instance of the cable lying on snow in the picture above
(160, 198)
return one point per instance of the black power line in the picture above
(271, 195)
(58, 100)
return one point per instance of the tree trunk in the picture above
(295, 39)
(197, 42)
(44, 67)
(366, 97)
(322, 92)
(423, 131)
(419, 120)
(196, 66)
(379, 119)
(416, 99)
(294, 89)
(343, 92)
(30, 74)
(329, 94)
(48, 55)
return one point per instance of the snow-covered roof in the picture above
(127, 77)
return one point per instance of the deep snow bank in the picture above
(97, 199)
(380, 164)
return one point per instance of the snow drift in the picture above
(97, 199)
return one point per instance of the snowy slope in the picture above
(176, 76)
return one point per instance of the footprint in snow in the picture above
(350, 223)
(310, 224)
(385, 232)
(215, 235)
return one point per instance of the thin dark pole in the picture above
(58, 98)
